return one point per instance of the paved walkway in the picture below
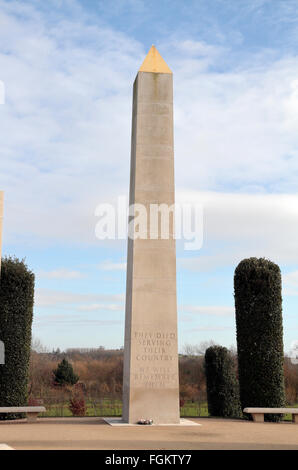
(94, 433)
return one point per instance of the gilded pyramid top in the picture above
(154, 63)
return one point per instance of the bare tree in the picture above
(37, 346)
(198, 349)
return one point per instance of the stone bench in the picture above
(31, 411)
(258, 413)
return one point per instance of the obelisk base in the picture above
(120, 422)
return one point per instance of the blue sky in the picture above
(68, 68)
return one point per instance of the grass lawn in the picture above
(194, 410)
(114, 408)
(104, 408)
(108, 407)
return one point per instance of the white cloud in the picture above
(243, 225)
(291, 278)
(290, 283)
(208, 310)
(237, 128)
(61, 274)
(75, 320)
(210, 328)
(68, 96)
(100, 307)
(66, 123)
(54, 298)
(111, 266)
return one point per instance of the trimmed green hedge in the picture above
(16, 314)
(258, 302)
(221, 381)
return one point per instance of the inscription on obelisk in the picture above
(151, 383)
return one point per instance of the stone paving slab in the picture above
(95, 434)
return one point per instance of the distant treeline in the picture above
(101, 371)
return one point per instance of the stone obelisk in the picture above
(151, 382)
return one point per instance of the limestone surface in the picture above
(151, 388)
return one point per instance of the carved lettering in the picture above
(155, 350)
